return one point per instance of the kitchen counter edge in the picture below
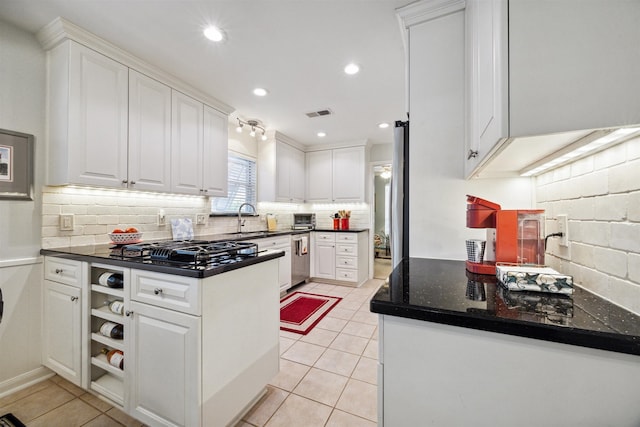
(610, 341)
(75, 254)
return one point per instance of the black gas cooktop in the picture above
(187, 254)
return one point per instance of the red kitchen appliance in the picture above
(513, 236)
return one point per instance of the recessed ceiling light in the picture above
(214, 33)
(383, 125)
(321, 134)
(351, 69)
(260, 91)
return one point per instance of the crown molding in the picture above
(356, 143)
(426, 10)
(59, 30)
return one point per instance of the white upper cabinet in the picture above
(544, 67)
(487, 72)
(117, 122)
(198, 148)
(336, 175)
(280, 171)
(348, 174)
(149, 133)
(289, 173)
(319, 176)
(186, 144)
(215, 148)
(87, 118)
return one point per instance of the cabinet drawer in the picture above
(166, 290)
(347, 237)
(346, 275)
(63, 270)
(346, 249)
(273, 243)
(325, 237)
(346, 262)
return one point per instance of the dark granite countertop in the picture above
(350, 230)
(443, 291)
(103, 254)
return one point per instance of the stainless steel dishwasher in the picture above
(300, 258)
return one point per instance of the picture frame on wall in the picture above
(16, 165)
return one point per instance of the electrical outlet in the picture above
(201, 219)
(563, 227)
(66, 222)
(162, 219)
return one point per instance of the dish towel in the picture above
(303, 245)
(182, 229)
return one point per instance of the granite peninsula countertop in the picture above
(104, 253)
(442, 291)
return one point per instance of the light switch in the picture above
(66, 222)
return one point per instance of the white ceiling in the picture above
(296, 49)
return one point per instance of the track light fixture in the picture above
(253, 125)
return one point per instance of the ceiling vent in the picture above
(319, 113)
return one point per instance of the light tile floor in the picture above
(327, 378)
(58, 403)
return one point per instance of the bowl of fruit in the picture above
(123, 237)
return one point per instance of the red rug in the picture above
(300, 311)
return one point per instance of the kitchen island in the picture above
(458, 349)
(199, 345)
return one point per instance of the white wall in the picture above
(437, 190)
(22, 109)
(381, 153)
(241, 142)
(601, 196)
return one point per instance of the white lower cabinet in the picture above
(197, 352)
(341, 257)
(61, 327)
(280, 243)
(164, 365)
(324, 256)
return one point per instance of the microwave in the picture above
(304, 221)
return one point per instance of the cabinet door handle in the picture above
(128, 313)
(205, 190)
(59, 270)
(74, 298)
(133, 183)
(157, 291)
(124, 181)
(472, 154)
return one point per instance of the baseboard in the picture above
(24, 380)
(337, 282)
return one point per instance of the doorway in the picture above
(382, 220)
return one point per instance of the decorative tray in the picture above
(535, 278)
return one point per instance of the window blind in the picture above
(241, 186)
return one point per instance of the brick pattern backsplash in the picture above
(601, 196)
(98, 211)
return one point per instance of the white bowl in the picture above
(125, 238)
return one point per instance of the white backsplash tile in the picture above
(98, 211)
(601, 196)
(611, 208)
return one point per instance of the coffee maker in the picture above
(513, 236)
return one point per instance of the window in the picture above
(241, 187)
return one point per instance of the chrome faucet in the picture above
(240, 221)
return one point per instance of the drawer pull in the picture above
(128, 313)
(59, 270)
(74, 298)
(157, 291)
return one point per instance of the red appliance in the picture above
(513, 236)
